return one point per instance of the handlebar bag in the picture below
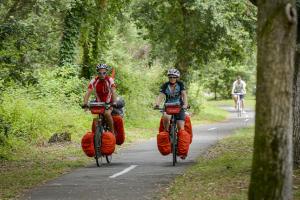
(173, 109)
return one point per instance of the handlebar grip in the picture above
(84, 106)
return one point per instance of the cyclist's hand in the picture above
(85, 107)
(185, 107)
(156, 107)
(114, 104)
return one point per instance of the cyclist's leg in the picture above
(109, 120)
(180, 120)
(234, 97)
(242, 102)
(166, 121)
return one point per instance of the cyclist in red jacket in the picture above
(105, 91)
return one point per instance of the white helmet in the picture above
(173, 72)
(101, 66)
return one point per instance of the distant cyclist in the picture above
(173, 91)
(239, 86)
(105, 91)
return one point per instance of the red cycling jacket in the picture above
(103, 88)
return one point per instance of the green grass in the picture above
(222, 173)
(38, 164)
(209, 114)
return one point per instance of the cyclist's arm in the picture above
(233, 87)
(184, 98)
(160, 98)
(114, 94)
(87, 96)
(244, 88)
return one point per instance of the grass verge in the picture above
(222, 173)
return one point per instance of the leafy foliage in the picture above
(192, 33)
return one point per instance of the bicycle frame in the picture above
(173, 138)
(238, 103)
(100, 128)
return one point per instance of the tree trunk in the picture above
(71, 33)
(86, 62)
(296, 99)
(271, 176)
(184, 58)
(216, 88)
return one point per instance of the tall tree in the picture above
(271, 176)
(296, 97)
(71, 33)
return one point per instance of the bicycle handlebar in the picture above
(238, 93)
(95, 104)
(163, 109)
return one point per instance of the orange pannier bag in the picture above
(164, 143)
(187, 126)
(119, 129)
(183, 143)
(87, 144)
(108, 143)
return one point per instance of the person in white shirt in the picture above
(239, 88)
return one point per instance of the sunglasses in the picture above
(173, 77)
(102, 73)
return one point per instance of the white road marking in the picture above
(124, 171)
(210, 129)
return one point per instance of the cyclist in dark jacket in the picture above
(173, 91)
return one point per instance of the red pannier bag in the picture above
(187, 126)
(164, 143)
(108, 143)
(183, 143)
(87, 144)
(119, 129)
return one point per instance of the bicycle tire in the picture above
(97, 140)
(174, 147)
(239, 112)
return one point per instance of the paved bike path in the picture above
(137, 172)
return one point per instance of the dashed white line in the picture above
(124, 171)
(210, 129)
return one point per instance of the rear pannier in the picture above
(87, 144)
(164, 143)
(108, 143)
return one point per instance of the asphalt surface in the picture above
(136, 172)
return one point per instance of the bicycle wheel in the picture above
(97, 145)
(174, 144)
(239, 111)
(108, 158)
